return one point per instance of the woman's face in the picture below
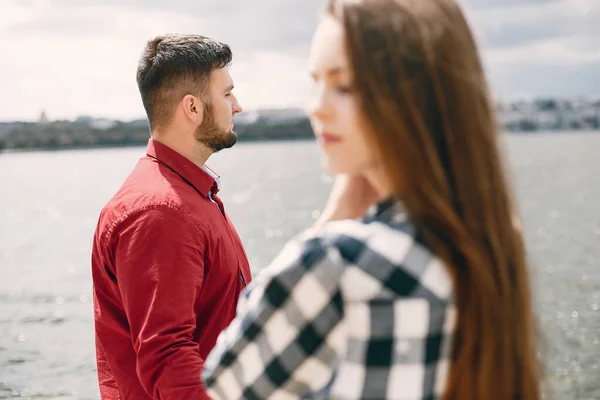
(335, 110)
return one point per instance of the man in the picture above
(167, 264)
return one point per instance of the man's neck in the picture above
(196, 152)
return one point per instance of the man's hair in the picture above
(172, 66)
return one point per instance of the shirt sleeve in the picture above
(282, 343)
(159, 258)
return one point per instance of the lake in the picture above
(50, 201)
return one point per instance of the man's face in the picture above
(216, 129)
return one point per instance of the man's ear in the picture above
(193, 108)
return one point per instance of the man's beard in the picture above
(211, 134)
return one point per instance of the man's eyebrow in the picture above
(229, 88)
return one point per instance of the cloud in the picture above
(63, 24)
(258, 24)
(527, 23)
(281, 81)
(74, 57)
(546, 50)
(68, 73)
(539, 79)
(502, 4)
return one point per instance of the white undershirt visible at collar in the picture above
(216, 177)
(213, 174)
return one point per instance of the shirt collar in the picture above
(217, 179)
(204, 179)
(389, 210)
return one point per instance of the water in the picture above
(49, 204)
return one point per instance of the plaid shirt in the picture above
(360, 310)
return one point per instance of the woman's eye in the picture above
(344, 89)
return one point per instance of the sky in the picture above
(70, 58)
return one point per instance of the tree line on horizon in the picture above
(67, 135)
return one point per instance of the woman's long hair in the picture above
(423, 92)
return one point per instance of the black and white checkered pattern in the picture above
(362, 310)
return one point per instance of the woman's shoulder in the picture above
(368, 258)
(388, 258)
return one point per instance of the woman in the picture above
(413, 285)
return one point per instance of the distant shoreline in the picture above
(263, 140)
(540, 116)
(141, 144)
(79, 135)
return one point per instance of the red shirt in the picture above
(168, 267)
